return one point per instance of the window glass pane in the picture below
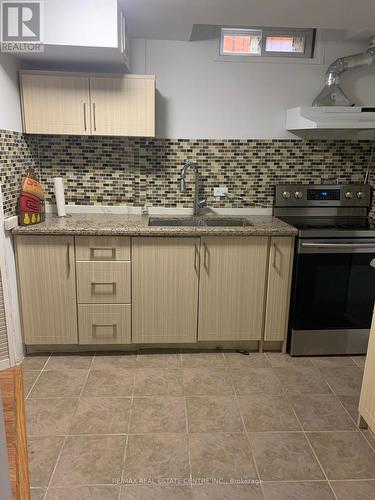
(241, 43)
(285, 44)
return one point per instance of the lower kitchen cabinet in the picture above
(278, 288)
(367, 399)
(165, 274)
(232, 288)
(104, 323)
(47, 289)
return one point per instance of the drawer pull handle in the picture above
(97, 334)
(94, 286)
(110, 256)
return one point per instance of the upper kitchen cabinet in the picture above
(55, 103)
(84, 34)
(87, 104)
(123, 105)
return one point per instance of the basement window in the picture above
(267, 42)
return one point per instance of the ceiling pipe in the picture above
(332, 94)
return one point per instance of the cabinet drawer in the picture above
(103, 282)
(102, 248)
(104, 323)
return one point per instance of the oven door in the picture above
(333, 296)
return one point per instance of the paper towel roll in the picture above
(59, 196)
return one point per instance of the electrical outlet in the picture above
(220, 191)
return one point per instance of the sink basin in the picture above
(195, 222)
(175, 222)
(227, 222)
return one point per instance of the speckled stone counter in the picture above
(136, 225)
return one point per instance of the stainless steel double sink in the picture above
(199, 222)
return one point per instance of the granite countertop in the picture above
(136, 225)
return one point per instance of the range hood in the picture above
(333, 114)
(356, 122)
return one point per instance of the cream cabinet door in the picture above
(47, 289)
(55, 103)
(123, 105)
(164, 289)
(278, 288)
(232, 287)
(367, 399)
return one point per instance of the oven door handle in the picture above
(338, 245)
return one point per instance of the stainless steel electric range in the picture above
(333, 287)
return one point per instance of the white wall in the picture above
(10, 112)
(199, 97)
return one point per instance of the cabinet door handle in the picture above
(94, 114)
(84, 116)
(96, 334)
(274, 263)
(112, 284)
(110, 256)
(68, 257)
(196, 258)
(206, 260)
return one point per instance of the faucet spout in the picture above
(198, 203)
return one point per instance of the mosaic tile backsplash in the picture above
(133, 171)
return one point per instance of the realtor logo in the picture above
(21, 26)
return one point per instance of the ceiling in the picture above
(174, 19)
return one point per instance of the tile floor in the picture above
(194, 426)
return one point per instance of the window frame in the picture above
(308, 33)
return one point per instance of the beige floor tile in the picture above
(207, 381)
(227, 492)
(157, 456)
(158, 381)
(109, 383)
(158, 414)
(49, 417)
(35, 361)
(344, 381)
(344, 455)
(89, 460)
(284, 456)
(213, 414)
(351, 405)
(255, 380)
(159, 359)
(314, 490)
(264, 412)
(43, 453)
(332, 361)
(354, 490)
(29, 378)
(83, 493)
(321, 412)
(360, 361)
(252, 360)
(280, 360)
(302, 380)
(67, 361)
(197, 359)
(59, 384)
(37, 493)
(370, 437)
(156, 492)
(221, 456)
(101, 416)
(114, 361)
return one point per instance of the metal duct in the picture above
(332, 94)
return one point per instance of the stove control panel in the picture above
(313, 195)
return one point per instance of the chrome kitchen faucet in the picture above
(198, 203)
